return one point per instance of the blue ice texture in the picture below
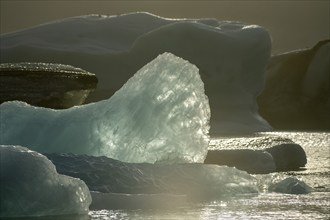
(161, 115)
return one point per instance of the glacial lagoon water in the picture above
(265, 205)
(262, 205)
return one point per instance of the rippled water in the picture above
(263, 206)
(315, 205)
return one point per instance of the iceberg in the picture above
(296, 94)
(195, 181)
(231, 56)
(161, 115)
(30, 186)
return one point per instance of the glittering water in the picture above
(263, 206)
(315, 205)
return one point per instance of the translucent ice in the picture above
(160, 115)
(30, 186)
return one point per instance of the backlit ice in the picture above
(160, 115)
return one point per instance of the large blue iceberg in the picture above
(30, 186)
(231, 56)
(160, 115)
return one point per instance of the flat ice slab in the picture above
(194, 180)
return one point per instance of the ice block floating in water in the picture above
(160, 115)
(30, 186)
(196, 181)
(231, 56)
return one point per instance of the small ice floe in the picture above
(30, 186)
(290, 185)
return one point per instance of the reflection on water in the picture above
(315, 205)
(315, 144)
(61, 217)
(264, 206)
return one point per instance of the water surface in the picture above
(265, 205)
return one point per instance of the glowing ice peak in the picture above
(160, 115)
